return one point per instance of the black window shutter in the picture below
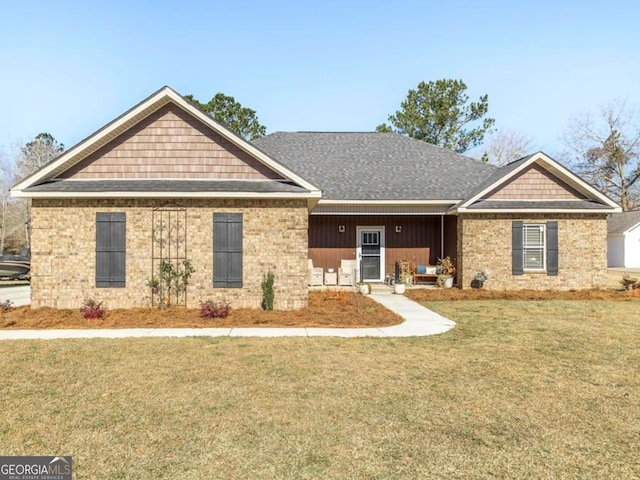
(227, 250)
(110, 249)
(552, 248)
(517, 260)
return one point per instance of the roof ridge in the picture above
(334, 131)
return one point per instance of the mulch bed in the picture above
(326, 309)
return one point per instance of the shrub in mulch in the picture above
(6, 306)
(325, 309)
(629, 283)
(92, 310)
(211, 309)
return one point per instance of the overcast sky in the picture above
(68, 68)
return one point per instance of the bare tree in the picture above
(6, 180)
(16, 213)
(12, 211)
(505, 146)
(605, 150)
(36, 153)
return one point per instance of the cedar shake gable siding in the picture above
(535, 183)
(170, 144)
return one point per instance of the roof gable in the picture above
(118, 140)
(536, 182)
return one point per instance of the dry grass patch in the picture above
(519, 389)
(326, 309)
(615, 275)
(440, 294)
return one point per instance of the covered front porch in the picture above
(377, 241)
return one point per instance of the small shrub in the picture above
(171, 284)
(211, 309)
(6, 306)
(629, 283)
(267, 290)
(92, 310)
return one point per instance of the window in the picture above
(110, 249)
(227, 250)
(534, 248)
(370, 238)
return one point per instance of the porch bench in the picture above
(423, 275)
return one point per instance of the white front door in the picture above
(370, 254)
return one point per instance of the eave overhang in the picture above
(382, 207)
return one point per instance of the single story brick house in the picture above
(165, 181)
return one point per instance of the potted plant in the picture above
(406, 278)
(479, 279)
(446, 271)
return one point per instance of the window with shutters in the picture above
(533, 247)
(227, 250)
(110, 249)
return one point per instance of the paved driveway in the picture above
(19, 295)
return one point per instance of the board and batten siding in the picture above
(418, 242)
(535, 183)
(170, 144)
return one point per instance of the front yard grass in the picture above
(519, 389)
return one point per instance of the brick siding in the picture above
(484, 243)
(63, 254)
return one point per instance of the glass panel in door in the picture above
(370, 248)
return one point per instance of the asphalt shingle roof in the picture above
(166, 186)
(376, 166)
(618, 223)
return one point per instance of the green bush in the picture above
(267, 290)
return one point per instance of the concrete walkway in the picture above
(418, 322)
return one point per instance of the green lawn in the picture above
(520, 389)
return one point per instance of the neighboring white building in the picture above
(623, 239)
